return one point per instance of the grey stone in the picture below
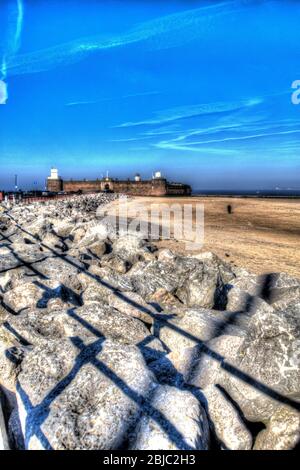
(194, 328)
(60, 269)
(269, 356)
(38, 294)
(186, 415)
(282, 432)
(88, 400)
(98, 248)
(133, 304)
(130, 247)
(92, 320)
(11, 356)
(150, 277)
(204, 365)
(109, 278)
(227, 423)
(116, 263)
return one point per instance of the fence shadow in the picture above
(88, 354)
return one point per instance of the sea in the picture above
(273, 193)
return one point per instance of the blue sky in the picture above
(200, 90)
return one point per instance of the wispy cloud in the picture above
(12, 43)
(196, 146)
(164, 32)
(13, 35)
(114, 98)
(183, 112)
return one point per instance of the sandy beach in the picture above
(261, 234)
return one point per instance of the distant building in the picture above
(54, 182)
(157, 186)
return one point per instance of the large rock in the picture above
(206, 365)
(22, 297)
(168, 275)
(282, 432)
(15, 277)
(273, 287)
(92, 320)
(289, 303)
(239, 300)
(133, 304)
(63, 228)
(5, 281)
(98, 248)
(9, 261)
(82, 396)
(108, 277)
(38, 294)
(95, 293)
(194, 282)
(198, 365)
(194, 328)
(132, 248)
(201, 288)
(281, 286)
(206, 285)
(226, 421)
(11, 357)
(60, 268)
(95, 232)
(91, 285)
(266, 369)
(164, 299)
(116, 263)
(180, 423)
(40, 227)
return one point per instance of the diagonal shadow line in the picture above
(36, 415)
(8, 308)
(225, 365)
(147, 409)
(25, 264)
(29, 264)
(143, 402)
(61, 291)
(71, 312)
(61, 240)
(237, 372)
(17, 335)
(4, 237)
(247, 309)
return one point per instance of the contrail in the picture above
(20, 17)
(163, 32)
(15, 19)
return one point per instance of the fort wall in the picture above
(157, 186)
(134, 188)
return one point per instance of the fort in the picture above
(156, 186)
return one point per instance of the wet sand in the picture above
(261, 234)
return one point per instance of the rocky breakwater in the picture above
(107, 342)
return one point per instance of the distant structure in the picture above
(157, 186)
